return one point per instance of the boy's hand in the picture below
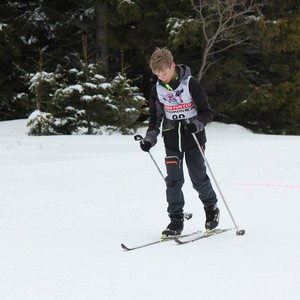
(191, 127)
(145, 145)
(195, 126)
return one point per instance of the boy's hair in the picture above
(160, 60)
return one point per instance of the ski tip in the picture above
(125, 247)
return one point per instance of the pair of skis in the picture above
(180, 239)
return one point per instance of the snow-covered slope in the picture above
(68, 202)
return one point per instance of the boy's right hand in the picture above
(145, 145)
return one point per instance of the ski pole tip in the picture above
(240, 232)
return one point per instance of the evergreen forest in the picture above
(82, 66)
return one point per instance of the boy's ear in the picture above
(173, 66)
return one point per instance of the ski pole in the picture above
(238, 231)
(138, 137)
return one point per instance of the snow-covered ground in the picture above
(68, 202)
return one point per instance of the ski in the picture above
(161, 240)
(205, 234)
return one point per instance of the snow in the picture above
(126, 1)
(29, 41)
(70, 89)
(86, 98)
(41, 76)
(68, 202)
(91, 85)
(105, 85)
(2, 25)
(174, 25)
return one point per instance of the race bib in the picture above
(178, 104)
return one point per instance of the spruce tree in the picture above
(128, 104)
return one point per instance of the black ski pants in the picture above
(175, 179)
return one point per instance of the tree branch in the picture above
(220, 22)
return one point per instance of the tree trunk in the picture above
(101, 37)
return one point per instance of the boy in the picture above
(180, 103)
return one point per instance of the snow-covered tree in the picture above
(41, 123)
(42, 86)
(86, 103)
(80, 104)
(128, 104)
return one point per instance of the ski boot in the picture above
(175, 227)
(212, 217)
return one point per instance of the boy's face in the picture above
(167, 74)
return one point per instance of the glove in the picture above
(145, 145)
(191, 127)
(195, 126)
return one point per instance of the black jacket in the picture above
(175, 134)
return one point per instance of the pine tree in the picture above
(81, 105)
(257, 86)
(14, 100)
(127, 102)
(274, 102)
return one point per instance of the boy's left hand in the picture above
(145, 145)
(194, 126)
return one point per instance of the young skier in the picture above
(179, 102)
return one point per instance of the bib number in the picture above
(179, 117)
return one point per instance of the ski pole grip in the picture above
(138, 137)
